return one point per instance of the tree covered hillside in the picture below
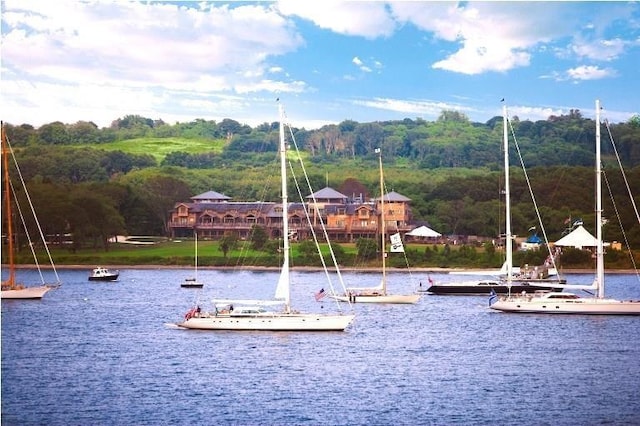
(96, 182)
(450, 141)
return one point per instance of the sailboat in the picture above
(570, 303)
(252, 314)
(11, 289)
(379, 293)
(509, 279)
(193, 282)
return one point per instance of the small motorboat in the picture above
(191, 283)
(103, 274)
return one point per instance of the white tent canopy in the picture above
(424, 231)
(578, 238)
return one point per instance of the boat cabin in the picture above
(562, 296)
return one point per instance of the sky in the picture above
(326, 61)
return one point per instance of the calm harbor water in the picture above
(100, 354)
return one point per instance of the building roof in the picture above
(393, 196)
(328, 193)
(210, 196)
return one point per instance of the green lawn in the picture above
(160, 147)
(181, 253)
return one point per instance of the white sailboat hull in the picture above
(26, 293)
(379, 298)
(269, 322)
(591, 306)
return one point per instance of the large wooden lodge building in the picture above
(213, 215)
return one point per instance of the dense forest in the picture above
(96, 182)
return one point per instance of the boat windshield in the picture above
(566, 296)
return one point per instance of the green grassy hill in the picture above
(160, 147)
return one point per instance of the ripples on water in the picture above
(99, 353)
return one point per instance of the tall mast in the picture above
(285, 213)
(7, 192)
(507, 197)
(599, 248)
(383, 248)
(195, 262)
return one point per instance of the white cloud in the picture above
(590, 72)
(534, 113)
(97, 60)
(355, 18)
(365, 68)
(125, 53)
(600, 50)
(422, 108)
(489, 36)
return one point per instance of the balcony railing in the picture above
(277, 224)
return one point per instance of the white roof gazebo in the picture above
(424, 232)
(578, 238)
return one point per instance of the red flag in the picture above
(430, 280)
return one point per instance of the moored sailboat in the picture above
(193, 282)
(379, 293)
(11, 288)
(253, 314)
(570, 303)
(509, 279)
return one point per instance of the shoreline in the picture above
(300, 268)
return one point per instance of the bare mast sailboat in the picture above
(11, 289)
(509, 279)
(378, 294)
(570, 303)
(193, 282)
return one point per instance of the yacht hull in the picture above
(269, 322)
(579, 306)
(486, 287)
(112, 277)
(26, 293)
(380, 298)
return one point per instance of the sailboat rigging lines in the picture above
(252, 314)
(569, 303)
(11, 289)
(379, 293)
(539, 278)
